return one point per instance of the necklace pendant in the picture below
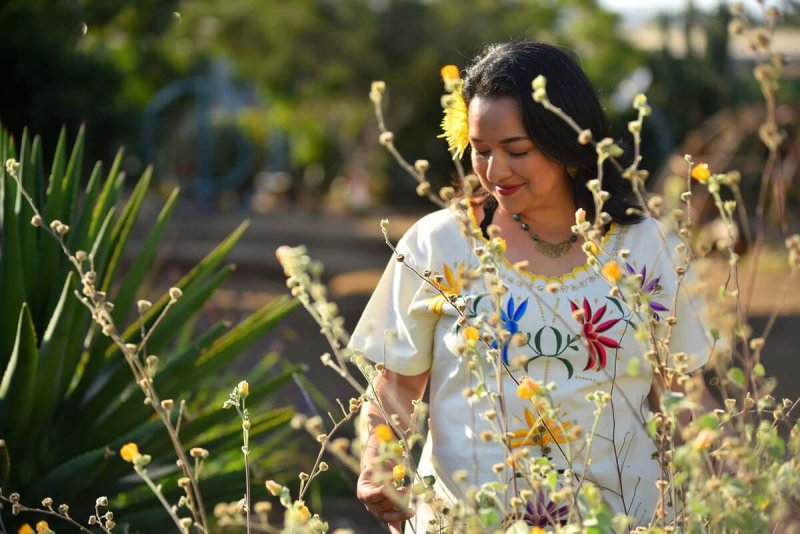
(553, 250)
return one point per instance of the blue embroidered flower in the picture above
(510, 317)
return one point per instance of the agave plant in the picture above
(67, 398)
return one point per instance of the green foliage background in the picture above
(68, 401)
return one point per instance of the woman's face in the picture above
(507, 162)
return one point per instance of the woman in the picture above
(570, 330)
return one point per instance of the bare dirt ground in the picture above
(354, 255)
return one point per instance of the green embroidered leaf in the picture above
(533, 359)
(568, 365)
(537, 340)
(476, 302)
(617, 303)
(558, 339)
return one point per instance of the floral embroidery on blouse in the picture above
(591, 329)
(542, 512)
(650, 289)
(451, 286)
(540, 432)
(511, 316)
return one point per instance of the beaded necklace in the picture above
(551, 250)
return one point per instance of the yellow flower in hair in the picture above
(450, 72)
(454, 124)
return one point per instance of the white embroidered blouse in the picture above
(410, 328)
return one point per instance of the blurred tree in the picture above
(311, 60)
(314, 61)
(94, 61)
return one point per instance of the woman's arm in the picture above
(396, 393)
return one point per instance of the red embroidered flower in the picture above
(590, 332)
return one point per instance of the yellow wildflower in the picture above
(704, 439)
(527, 388)
(130, 452)
(455, 128)
(471, 333)
(304, 513)
(42, 527)
(537, 530)
(273, 488)
(25, 529)
(540, 431)
(701, 173)
(243, 388)
(612, 271)
(452, 285)
(398, 472)
(384, 433)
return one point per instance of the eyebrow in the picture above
(507, 140)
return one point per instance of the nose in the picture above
(497, 169)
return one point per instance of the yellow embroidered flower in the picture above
(452, 285)
(25, 529)
(540, 431)
(701, 173)
(129, 452)
(612, 271)
(454, 124)
(471, 333)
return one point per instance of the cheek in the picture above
(478, 165)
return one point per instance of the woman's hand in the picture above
(396, 393)
(386, 503)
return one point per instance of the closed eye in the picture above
(518, 154)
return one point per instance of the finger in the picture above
(382, 507)
(368, 492)
(395, 527)
(373, 497)
(395, 517)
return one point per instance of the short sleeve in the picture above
(397, 326)
(689, 334)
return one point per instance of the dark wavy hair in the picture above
(508, 69)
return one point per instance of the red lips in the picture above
(506, 190)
